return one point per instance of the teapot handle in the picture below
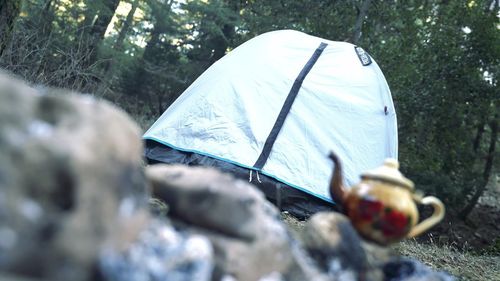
(436, 217)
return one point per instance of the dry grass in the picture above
(462, 264)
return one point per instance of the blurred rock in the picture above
(332, 241)
(9, 277)
(405, 269)
(250, 241)
(208, 198)
(160, 253)
(71, 180)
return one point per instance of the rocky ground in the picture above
(75, 204)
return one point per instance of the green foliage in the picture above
(441, 60)
(214, 24)
(441, 106)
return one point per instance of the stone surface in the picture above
(405, 269)
(160, 253)
(250, 242)
(335, 245)
(71, 180)
(207, 198)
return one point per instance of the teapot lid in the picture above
(389, 172)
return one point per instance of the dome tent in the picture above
(271, 110)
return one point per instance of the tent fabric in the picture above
(343, 104)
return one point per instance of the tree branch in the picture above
(359, 21)
(486, 172)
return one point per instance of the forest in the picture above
(441, 59)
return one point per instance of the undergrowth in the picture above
(464, 265)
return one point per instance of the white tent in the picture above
(278, 104)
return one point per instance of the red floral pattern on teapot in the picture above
(382, 206)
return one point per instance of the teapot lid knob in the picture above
(389, 172)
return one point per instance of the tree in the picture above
(359, 20)
(441, 92)
(31, 37)
(102, 19)
(214, 23)
(158, 74)
(125, 26)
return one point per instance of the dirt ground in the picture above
(480, 232)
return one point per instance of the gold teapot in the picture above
(382, 207)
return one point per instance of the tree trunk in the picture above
(89, 15)
(486, 172)
(9, 10)
(479, 135)
(109, 65)
(153, 42)
(103, 20)
(221, 43)
(149, 62)
(359, 21)
(126, 26)
(160, 104)
(104, 17)
(44, 37)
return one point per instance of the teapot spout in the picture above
(337, 189)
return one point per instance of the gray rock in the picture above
(71, 180)
(160, 253)
(208, 198)
(10, 277)
(336, 246)
(406, 269)
(250, 241)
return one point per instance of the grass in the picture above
(464, 265)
